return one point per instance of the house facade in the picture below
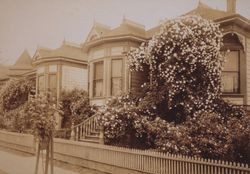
(99, 65)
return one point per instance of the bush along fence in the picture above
(111, 159)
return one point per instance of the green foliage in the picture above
(76, 107)
(42, 115)
(15, 93)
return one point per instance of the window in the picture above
(116, 51)
(98, 53)
(98, 79)
(231, 73)
(40, 70)
(116, 77)
(41, 84)
(52, 85)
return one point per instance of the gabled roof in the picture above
(97, 31)
(24, 62)
(127, 27)
(207, 12)
(41, 52)
(67, 50)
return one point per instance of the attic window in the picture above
(93, 37)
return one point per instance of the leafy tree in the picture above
(184, 63)
(42, 115)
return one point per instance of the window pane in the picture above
(116, 86)
(52, 84)
(98, 88)
(41, 84)
(230, 82)
(98, 70)
(98, 53)
(232, 61)
(53, 68)
(116, 51)
(117, 68)
(40, 70)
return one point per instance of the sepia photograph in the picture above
(124, 86)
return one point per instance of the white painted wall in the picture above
(73, 77)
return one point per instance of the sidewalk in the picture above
(12, 162)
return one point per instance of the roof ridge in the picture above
(98, 24)
(132, 23)
(72, 44)
(43, 48)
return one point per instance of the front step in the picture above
(89, 140)
(92, 138)
(95, 134)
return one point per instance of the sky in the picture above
(28, 24)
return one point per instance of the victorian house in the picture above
(99, 65)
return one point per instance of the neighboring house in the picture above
(22, 68)
(99, 65)
(64, 68)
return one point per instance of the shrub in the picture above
(15, 93)
(124, 123)
(17, 120)
(76, 107)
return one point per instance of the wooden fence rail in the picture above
(152, 162)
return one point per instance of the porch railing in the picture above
(87, 128)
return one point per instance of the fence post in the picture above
(101, 136)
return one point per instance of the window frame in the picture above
(49, 87)
(38, 84)
(234, 72)
(95, 80)
(116, 77)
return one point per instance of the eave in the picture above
(64, 59)
(88, 45)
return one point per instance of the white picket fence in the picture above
(143, 161)
(148, 161)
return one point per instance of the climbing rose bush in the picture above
(124, 122)
(185, 58)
